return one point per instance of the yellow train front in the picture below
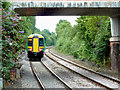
(35, 46)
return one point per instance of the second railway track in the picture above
(103, 80)
(75, 64)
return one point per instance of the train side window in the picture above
(41, 41)
(29, 42)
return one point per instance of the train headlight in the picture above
(29, 49)
(40, 49)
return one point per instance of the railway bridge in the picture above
(109, 8)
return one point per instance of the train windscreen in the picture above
(29, 42)
(41, 41)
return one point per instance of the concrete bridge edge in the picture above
(115, 44)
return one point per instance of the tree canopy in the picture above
(88, 40)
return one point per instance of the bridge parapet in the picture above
(66, 4)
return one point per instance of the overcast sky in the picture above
(49, 22)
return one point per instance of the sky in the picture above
(49, 22)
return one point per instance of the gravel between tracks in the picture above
(74, 80)
(86, 73)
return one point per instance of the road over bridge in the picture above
(81, 8)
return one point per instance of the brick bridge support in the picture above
(115, 44)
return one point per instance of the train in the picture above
(35, 46)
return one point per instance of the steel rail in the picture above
(93, 81)
(42, 87)
(75, 64)
(53, 73)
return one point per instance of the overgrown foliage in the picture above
(88, 40)
(15, 31)
(14, 37)
(14, 34)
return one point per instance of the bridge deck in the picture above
(52, 8)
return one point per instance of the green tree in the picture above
(63, 29)
(49, 37)
(88, 40)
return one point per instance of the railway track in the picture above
(36, 77)
(69, 87)
(103, 79)
(41, 84)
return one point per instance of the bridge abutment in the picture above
(115, 44)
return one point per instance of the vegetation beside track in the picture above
(14, 38)
(15, 31)
(88, 40)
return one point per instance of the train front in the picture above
(36, 46)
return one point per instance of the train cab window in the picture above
(41, 41)
(29, 42)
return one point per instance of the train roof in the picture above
(32, 35)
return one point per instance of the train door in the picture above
(35, 44)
